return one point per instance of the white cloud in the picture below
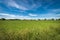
(12, 16)
(55, 10)
(14, 4)
(35, 6)
(30, 14)
(49, 15)
(41, 16)
(7, 16)
(4, 14)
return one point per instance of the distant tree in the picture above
(58, 19)
(3, 19)
(38, 19)
(45, 19)
(52, 19)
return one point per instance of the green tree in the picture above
(58, 19)
(52, 19)
(3, 19)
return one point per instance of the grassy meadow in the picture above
(29, 30)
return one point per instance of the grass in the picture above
(29, 30)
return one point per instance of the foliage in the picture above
(2, 18)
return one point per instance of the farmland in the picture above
(29, 30)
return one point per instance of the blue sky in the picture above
(30, 9)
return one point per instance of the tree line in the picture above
(30, 19)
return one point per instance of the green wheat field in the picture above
(29, 30)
